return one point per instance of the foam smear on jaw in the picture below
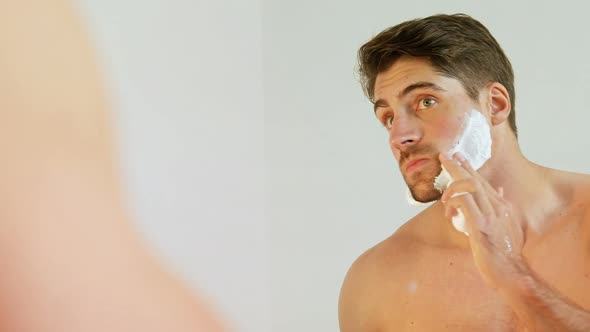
(475, 143)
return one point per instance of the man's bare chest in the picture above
(444, 290)
(562, 260)
(445, 294)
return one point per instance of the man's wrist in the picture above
(519, 291)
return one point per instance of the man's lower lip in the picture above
(416, 165)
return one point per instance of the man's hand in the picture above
(496, 238)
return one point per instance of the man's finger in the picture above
(468, 207)
(475, 189)
(460, 186)
(453, 167)
(465, 164)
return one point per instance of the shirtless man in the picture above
(525, 265)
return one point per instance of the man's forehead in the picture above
(403, 72)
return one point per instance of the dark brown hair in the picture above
(458, 46)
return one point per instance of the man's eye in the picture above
(426, 103)
(388, 121)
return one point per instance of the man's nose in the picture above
(404, 133)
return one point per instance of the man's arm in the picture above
(496, 241)
(359, 306)
(70, 258)
(350, 304)
(541, 308)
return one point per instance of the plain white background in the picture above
(254, 163)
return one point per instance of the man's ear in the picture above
(498, 101)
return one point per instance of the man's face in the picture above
(423, 113)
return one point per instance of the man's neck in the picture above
(529, 187)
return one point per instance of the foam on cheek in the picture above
(475, 144)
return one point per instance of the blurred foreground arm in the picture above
(70, 258)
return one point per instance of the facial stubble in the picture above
(421, 182)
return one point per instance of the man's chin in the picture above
(425, 194)
(425, 199)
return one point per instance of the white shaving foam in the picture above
(475, 144)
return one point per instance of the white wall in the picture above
(187, 83)
(335, 187)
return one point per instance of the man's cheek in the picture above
(395, 152)
(449, 132)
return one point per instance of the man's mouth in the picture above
(414, 164)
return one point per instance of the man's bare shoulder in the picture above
(397, 247)
(379, 268)
(574, 188)
(582, 185)
(579, 182)
(408, 243)
(577, 187)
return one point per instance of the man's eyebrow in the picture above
(408, 89)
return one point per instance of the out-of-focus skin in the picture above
(70, 258)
